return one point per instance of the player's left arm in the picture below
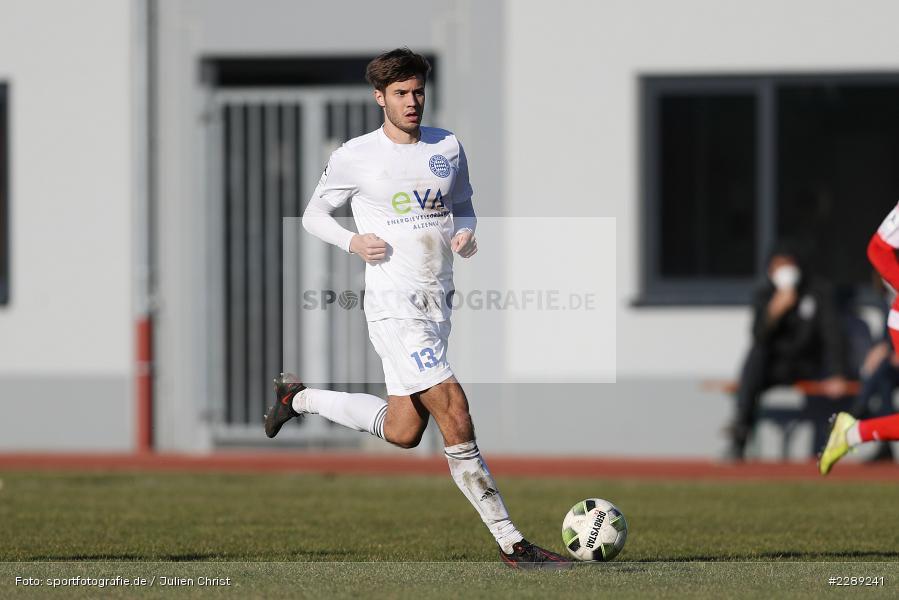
(465, 221)
(464, 242)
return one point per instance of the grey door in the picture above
(267, 149)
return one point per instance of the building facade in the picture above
(155, 148)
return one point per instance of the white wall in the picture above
(572, 125)
(68, 66)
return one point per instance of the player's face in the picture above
(403, 103)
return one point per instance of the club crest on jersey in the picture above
(439, 165)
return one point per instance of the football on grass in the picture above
(594, 530)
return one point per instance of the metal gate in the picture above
(267, 149)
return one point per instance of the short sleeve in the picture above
(889, 229)
(337, 185)
(462, 191)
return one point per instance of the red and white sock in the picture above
(881, 429)
(853, 436)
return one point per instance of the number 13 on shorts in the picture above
(424, 358)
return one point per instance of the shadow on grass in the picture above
(113, 557)
(297, 556)
(891, 555)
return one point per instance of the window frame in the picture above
(656, 290)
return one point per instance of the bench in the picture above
(816, 409)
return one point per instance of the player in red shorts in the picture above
(848, 432)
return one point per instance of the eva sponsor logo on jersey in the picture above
(402, 201)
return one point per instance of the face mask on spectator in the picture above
(786, 277)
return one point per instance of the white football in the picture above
(594, 530)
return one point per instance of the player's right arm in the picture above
(882, 249)
(334, 189)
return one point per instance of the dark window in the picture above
(707, 186)
(4, 195)
(733, 164)
(838, 148)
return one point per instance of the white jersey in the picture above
(404, 194)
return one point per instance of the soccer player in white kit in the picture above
(411, 200)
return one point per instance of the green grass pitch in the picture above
(317, 536)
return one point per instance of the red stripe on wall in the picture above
(143, 386)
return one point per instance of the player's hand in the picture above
(369, 247)
(464, 244)
(781, 302)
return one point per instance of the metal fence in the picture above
(267, 149)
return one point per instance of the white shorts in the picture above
(413, 352)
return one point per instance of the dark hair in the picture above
(795, 248)
(397, 65)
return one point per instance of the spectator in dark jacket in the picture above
(796, 335)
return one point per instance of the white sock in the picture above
(853, 435)
(362, 412)
(471, 475)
